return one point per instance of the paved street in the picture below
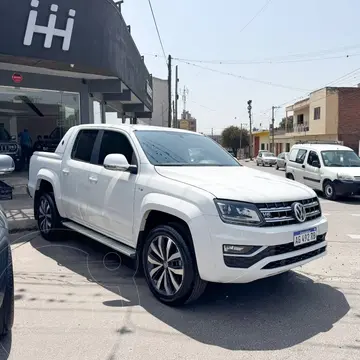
(77, 300)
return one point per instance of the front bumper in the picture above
(275, 255)
(343, 187)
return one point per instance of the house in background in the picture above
(329, 114)
(261, 141)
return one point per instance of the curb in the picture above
(17, 226)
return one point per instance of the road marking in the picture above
(355, 237)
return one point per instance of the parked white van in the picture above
(331, 168)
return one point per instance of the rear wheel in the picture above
(49, 221)
(290, 176)
(170, 267)
(277, 167)
(329, 190)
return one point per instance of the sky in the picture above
(281, 54)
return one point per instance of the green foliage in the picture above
(230, 138)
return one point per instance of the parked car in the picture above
(266, 159)
(9, 146)
(50, 142)
(281, 160)
(330, 168)
(186, 219)
(7, 165)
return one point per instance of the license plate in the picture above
(305, 236)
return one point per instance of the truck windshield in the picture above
(175, 148)
(4, 135)
(340, 158)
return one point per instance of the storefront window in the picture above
(44, 113)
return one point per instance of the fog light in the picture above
(239, 249)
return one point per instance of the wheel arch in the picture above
(46, 181)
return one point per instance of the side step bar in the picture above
(116, 245)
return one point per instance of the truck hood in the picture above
(238, 183)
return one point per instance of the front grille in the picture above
(245, 262)
(281, 213)
(8, 148)
(295, 259)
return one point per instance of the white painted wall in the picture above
(160, 104)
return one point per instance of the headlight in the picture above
(238, 213)
(345, 177)
(13, 147)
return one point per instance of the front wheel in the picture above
(329, 190)
(170, 267)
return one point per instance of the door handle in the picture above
(66, 171)
(93, 179)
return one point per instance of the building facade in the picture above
(261, 141)
(329, 114)
(160, 104)
(58, 60)
(187, 121)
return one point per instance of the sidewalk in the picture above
(19, 210)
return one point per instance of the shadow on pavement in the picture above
(270, 314)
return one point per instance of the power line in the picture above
(243, 77)
(344, 77)
(262, 62)
(157, 29)
(255, 16)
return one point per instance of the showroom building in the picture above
(59, 60)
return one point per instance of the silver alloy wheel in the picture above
(165, 265)
(329, 190)
(45, 218)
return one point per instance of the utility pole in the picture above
(249, 111)
(169, 91)
(273, 128)
(176, 122)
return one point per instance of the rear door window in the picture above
(84, 145)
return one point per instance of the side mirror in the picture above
(7, 164)
(316, 164)
(118, 162)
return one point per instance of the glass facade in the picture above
(45, 114)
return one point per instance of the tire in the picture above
(175, 288)
(263, 164)
(8, 307)
(49, 221)
(257, 164)
(277, 167)
(329, 190)
(290, 176)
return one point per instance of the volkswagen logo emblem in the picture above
(299, 212)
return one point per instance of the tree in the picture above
(290, 121)
(230, 138)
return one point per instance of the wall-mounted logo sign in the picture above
(17, 78)
(50, 30)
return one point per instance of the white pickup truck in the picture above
(179, 204)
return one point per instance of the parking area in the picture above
(76, 299)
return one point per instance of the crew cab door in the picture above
(75, 186)
(312, 175)
(110, 210)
